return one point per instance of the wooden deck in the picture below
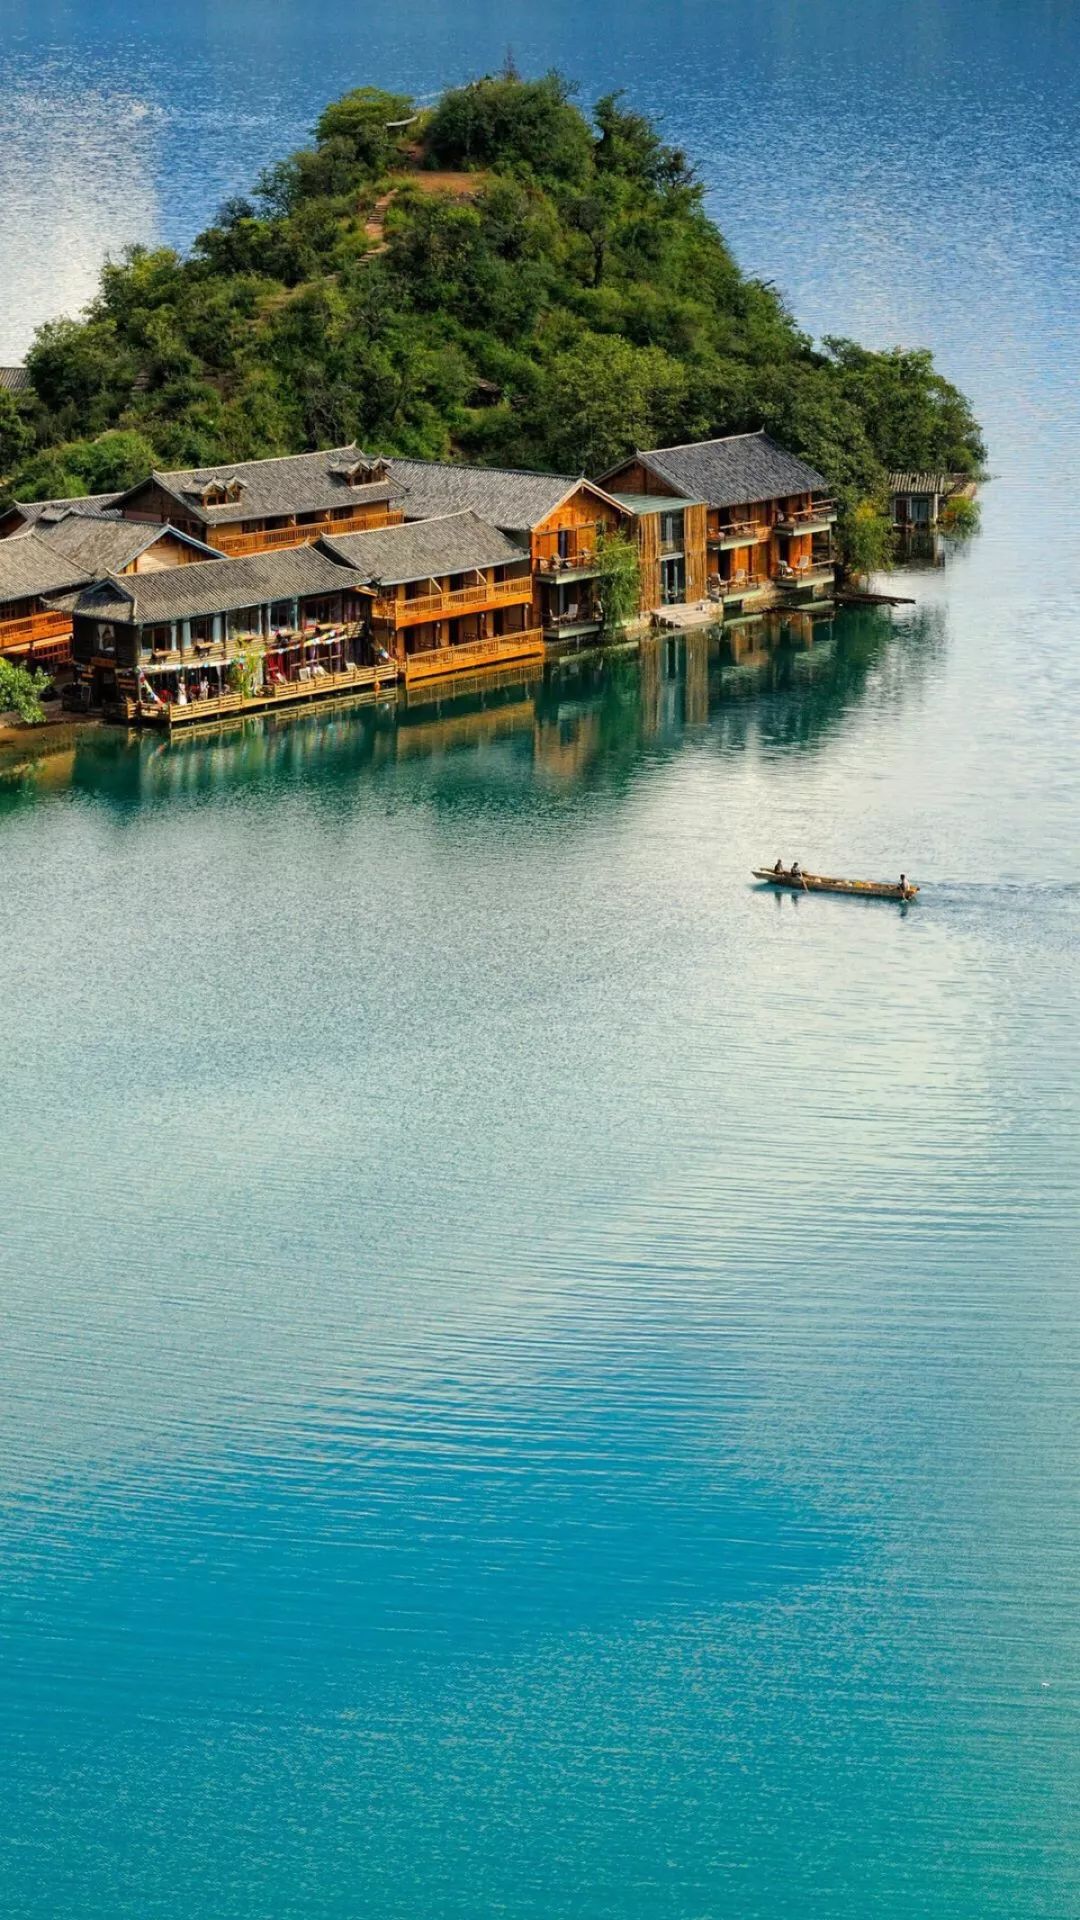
(42, 637)
(287, 693)
(434, 665)
(273, 539)
(442, 606)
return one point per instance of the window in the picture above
(671, 530)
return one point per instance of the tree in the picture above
(369, 122)
(866, 540)
(603, 398)
(21, 689)
(523, 123)
(630, 146)
(908, 408)
(618, 580)
(16, 433)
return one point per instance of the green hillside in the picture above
(504, 278)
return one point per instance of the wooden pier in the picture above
(173, 714)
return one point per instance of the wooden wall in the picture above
(648, 537)
(695, 521)
(634, 478)
(166, 552)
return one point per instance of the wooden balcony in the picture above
(485, 596)
(815, 519)
(808, 573)
(739, 533)
(30, 633)
(284, 693)
(213, 652)
(744, 583)
(578, 559)
(474, 655)
(271, 539)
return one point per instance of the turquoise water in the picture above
(534, 1378)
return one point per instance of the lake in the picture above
(535, 1378)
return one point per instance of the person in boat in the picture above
(779, 867)
(903, 883)
(796, 870)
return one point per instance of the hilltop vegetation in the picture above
(502, 278)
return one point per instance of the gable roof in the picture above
(920, 482)
(423, 549)
(515, 499)
(103, 543)
(15, 379)
(269, 489)
(212, 586)
(640, 504)
(32, 511)
(725, 473)
(29, 568)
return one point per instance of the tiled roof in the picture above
(915, 482)
(514, 500)
(424, 549)
(15, 379)
(32, 511)
(646, 503)
(102, 543)
(269, 489)
(213, 586)
(726, 473)
(29, 567)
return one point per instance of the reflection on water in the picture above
(782, 682)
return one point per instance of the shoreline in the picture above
(56, 733)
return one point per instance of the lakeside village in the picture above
(249, 586)
(240, 588)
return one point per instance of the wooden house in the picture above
(221, 636)
(670, 533)
(100, 542)
(447, 595)
(261, 506)
(919, 500)
(556, 518)
(763, 535)
(61, 556)
(32, 630)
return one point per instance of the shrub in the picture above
(21, 689)
(960, 517)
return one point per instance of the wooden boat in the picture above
(821, 883)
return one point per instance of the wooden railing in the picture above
(281, 693)
(17, 635)
(439, 606)
(574, 560)
(793, 576)
(801, 516)
(235, 545)
(740, 533)
(431, 665)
